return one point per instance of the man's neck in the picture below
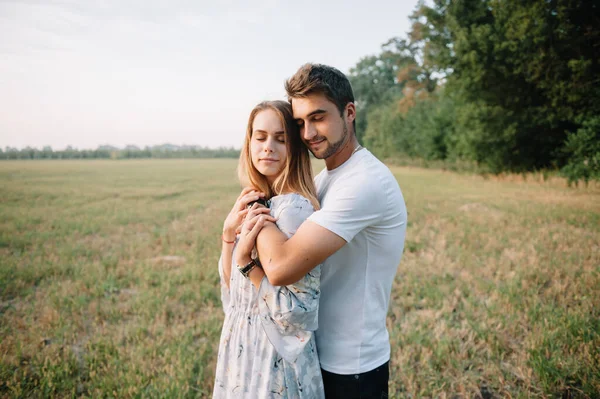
(342, 155)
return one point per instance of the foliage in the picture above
(524, 74)
(583, 148)
(374, 81)
(520, 76)
(422, 131)
(393, 75)
(130, 151)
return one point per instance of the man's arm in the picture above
(357, 203)
(287, 261)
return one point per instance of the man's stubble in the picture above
(333, 147)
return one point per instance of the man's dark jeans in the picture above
(370, 385)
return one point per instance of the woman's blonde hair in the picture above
(296, 176)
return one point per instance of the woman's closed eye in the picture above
(280, 137)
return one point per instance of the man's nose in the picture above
(308, 131)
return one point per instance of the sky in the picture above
(147, 72)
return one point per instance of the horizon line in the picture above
(115, 147)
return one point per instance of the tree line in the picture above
(504, 85)
(110, 152)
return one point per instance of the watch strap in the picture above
(248, 268)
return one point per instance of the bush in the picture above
(422, 132)
(583, 149)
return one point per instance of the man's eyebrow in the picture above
(315, 112)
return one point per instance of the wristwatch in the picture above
(248, 268)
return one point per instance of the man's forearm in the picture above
(287, 261)
(282, 262)
(270, 244)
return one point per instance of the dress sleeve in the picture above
(225, 298)
(289, 314)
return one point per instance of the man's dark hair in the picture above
(320, 79)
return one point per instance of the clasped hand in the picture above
(233, 223)
(256, 217)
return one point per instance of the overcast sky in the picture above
(85, 73)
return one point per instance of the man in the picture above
(358, 236)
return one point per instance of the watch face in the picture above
(246, 269)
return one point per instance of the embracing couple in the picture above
(307, 266)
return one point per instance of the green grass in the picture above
(109, 283)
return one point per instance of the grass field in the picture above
(109, 283)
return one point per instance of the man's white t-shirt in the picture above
(362, 203)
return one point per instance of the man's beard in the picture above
(333, 147)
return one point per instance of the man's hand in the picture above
(256, 218)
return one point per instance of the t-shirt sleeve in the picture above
(351, 206)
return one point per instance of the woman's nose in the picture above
(268, 145)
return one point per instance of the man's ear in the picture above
(350, 112)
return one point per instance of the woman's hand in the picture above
(256, 218)
(234, 220)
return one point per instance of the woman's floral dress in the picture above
(267, 347)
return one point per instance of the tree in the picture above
(524, 74)
(374, 79)
(583, 148)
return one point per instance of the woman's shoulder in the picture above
(290, 210)
(290, 199)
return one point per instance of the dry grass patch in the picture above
(109, 283)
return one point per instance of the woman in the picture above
(267, 346)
